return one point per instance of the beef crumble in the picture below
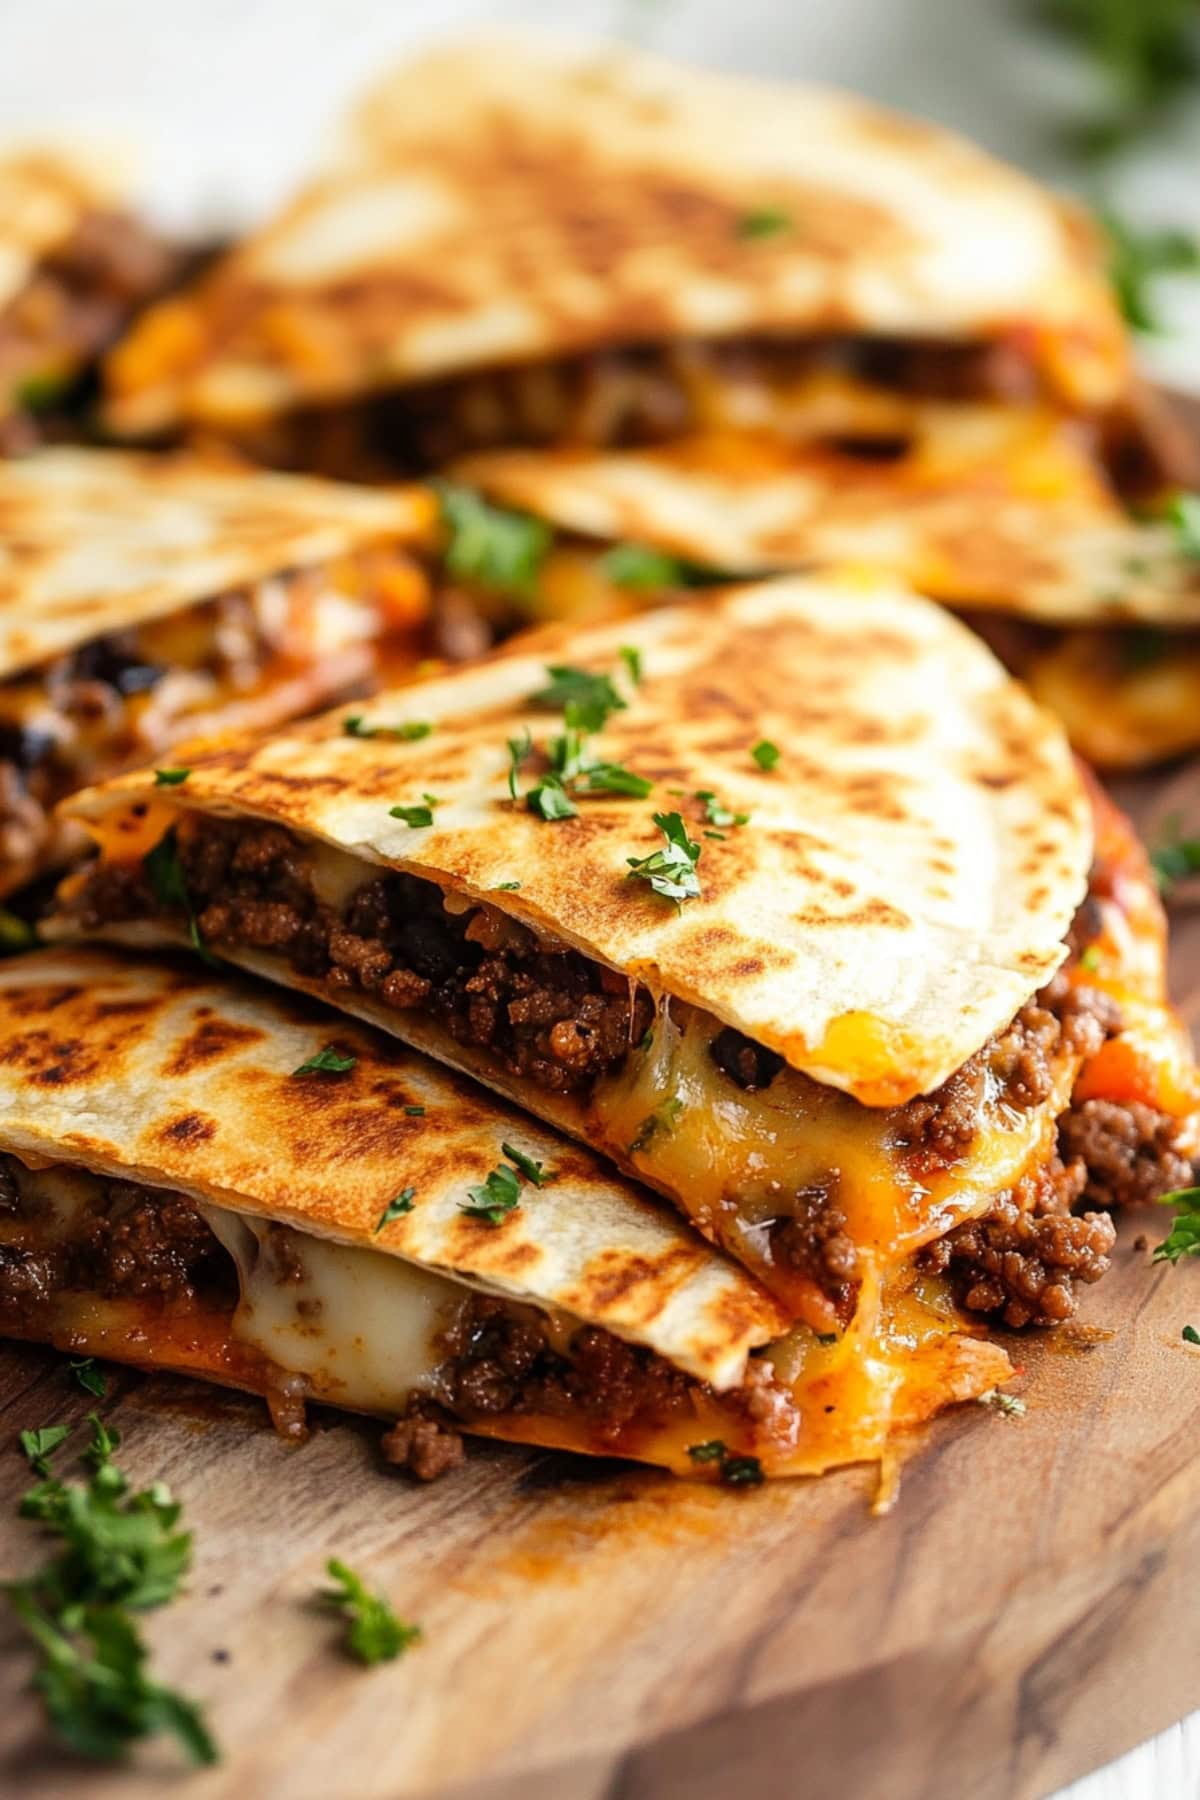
(134, 1243)
(1020, 1264)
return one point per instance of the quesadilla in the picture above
(780, 900)
(1004, 512)
(145, 598)
(75, 265)
(518, 240)
(202, 1176)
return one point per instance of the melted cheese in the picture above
(366, 1329)
(1121, 712)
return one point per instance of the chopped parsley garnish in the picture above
(170, 777)
(1190, 1335)
(42, 1443)
(1090, 959)
(327, 1062)
(570, 765)
(534, 1172)
(764, 222)
(671, 871)
(500, 1194)
(395, 1209)
(1007, 1405)
(717, 813)
(742, 1471)
(733, 1471)
(1174, 860)
(1183, 516)
(507, 887)
(407, 733)
(499, 551)
(84, 1369)
(550, 800)
(496, 1197)
(163, 869)
(631, 656)
(585, 698)
(664, 1118)
(766, 754)
(519, 751)
(1183, 1239)
(104, 1440)
(121, 1552)
(373, 1632)
(415, 1112)
(1137, 258)
(642, 569)
(416, 816)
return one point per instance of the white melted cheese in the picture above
(366, 1329)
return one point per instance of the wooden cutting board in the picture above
(1026, 1611)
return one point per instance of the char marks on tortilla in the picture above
(909, 869)
(98, 541)
(168, 1074)
(504, 202)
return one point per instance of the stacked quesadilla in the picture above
(144, 599)
(202, 1177)
(819, 332)
(789, 901)
(75, 265)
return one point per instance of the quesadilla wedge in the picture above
(75, 265)
(1001, 511)
(200, 1175)
(779, 899)
(519, 240)
(142, 599)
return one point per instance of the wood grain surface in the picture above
(1025, 1612)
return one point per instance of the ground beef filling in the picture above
(500, 1361)
(135, 1243)
(550, 1015)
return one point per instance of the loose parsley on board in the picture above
(374, 1634)
(1183, 1239)
(89, 1377)
(670, 871)
(121, 1553)
(327, 1062)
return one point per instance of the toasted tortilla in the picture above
(905, 882)
(994, 507)
(98, 541)
(167, 1076)
(509, 201)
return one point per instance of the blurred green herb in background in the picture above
(1143, 55)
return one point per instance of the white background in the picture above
(224, 100)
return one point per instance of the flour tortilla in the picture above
(904, 884)
(96, 541)
(992, 507)
(507, 201)
(169, 1074)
